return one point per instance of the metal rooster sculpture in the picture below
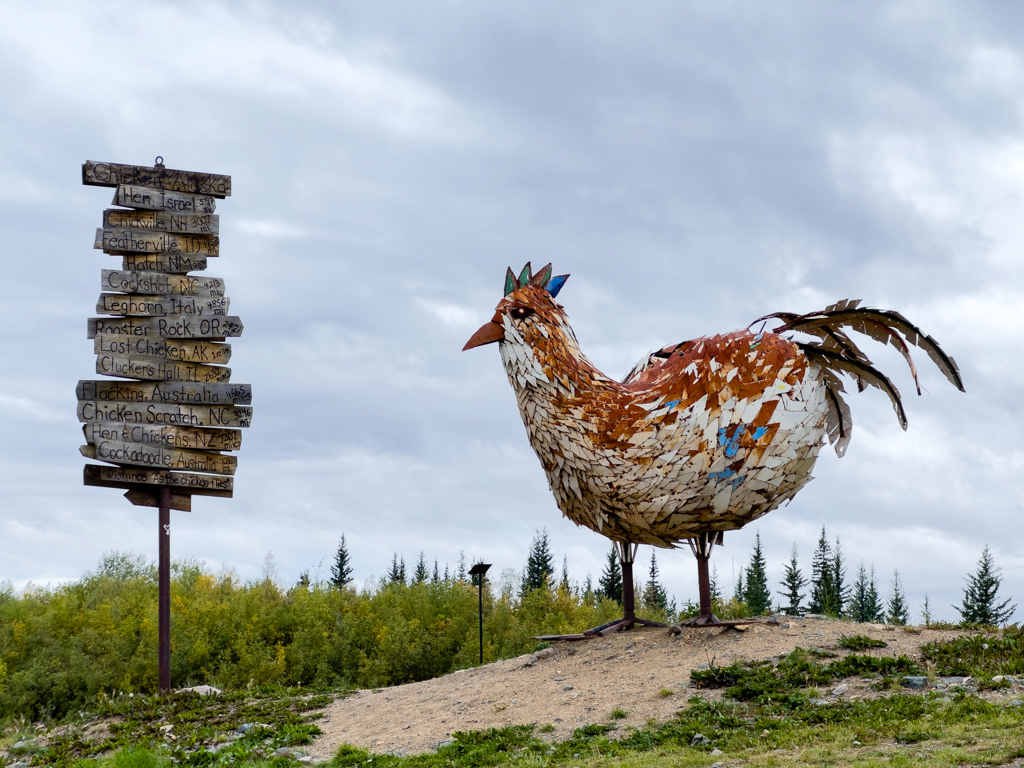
(700, 437)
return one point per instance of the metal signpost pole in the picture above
(164, 604)
(479, 570)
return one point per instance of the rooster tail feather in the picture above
(835, 361)
(838, 421)
(884, 326)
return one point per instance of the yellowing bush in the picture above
(63, 647)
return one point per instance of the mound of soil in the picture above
(644, 672)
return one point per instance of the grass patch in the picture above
(184, 729)
(753, 732)
(772, 716)
(763, 682)
(860, 643)
(981, 656)
(665, 692)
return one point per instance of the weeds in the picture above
(737, 729)
(187, 729)
(764, 682)
(981, 656)
(860, 643)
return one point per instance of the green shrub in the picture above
(62, 648)
(763, 682)
(982, 656)
(860, 643)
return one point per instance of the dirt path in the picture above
(574, 684)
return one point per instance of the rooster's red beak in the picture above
(488, 333)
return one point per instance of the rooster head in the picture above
(529, 298)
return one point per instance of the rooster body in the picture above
(699, 437)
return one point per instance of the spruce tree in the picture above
(874, 603)
(793, 581)
(588, 590)
(716, 591)
(397, 573)
(926, 612)
(436, 577)
(897, 608)
(654, 595)
(341, 570)
(610, 583)
(979, 605)
(756, 593)
(824, 598)
(420, 574)
(563, 583)
(839, 577)
(863, 604)
(461, 573)
(303, 581)
(740, 593)
(539, 564)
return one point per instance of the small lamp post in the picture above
(479, 570)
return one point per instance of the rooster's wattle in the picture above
(700, 437)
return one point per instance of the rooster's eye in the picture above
(521, 312)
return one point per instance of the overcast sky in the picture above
(693, 165)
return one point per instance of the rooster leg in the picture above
(701, 547)
(627, 554)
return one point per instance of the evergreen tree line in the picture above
(538, 573)
(828, 591)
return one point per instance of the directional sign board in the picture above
(206, 352)
(155, 369)
(176, 263)
(162, 221)
(143, 455)
(157, 177)
(167, 437)
(181, 482)
(143, 241)
(170, 327)
(150, 199)
(161, 413)
(106, 391)
(134, 305)
(155, 284)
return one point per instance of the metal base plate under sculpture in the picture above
(627, 554)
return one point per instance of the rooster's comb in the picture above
(542, 279)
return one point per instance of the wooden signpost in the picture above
(164, 433)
